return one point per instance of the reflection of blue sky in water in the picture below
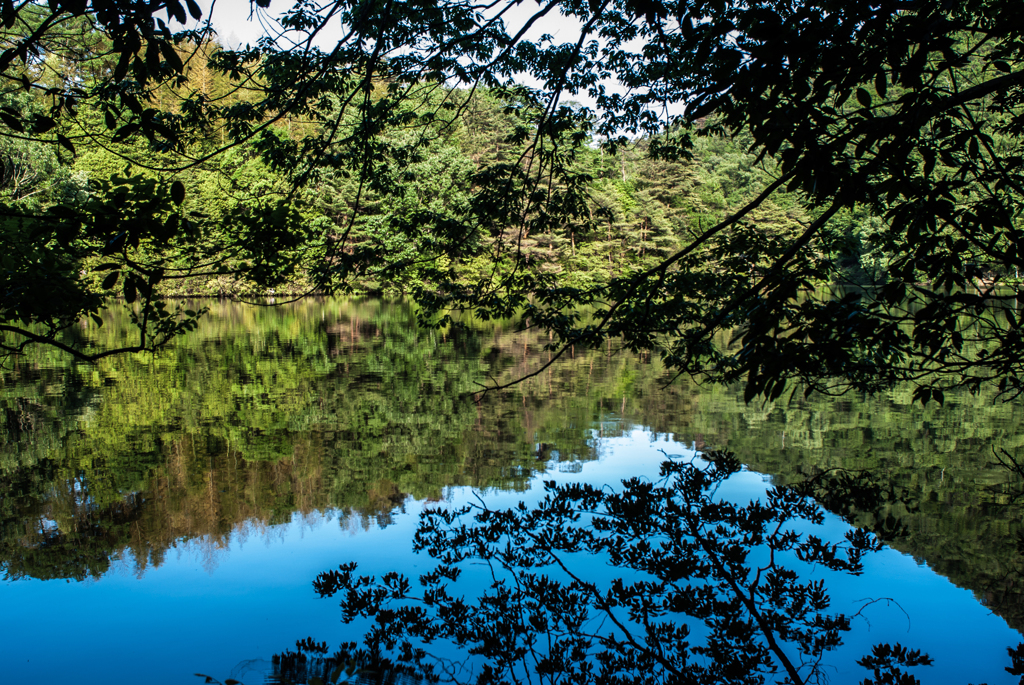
(211, 607)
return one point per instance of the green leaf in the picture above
(178, 192)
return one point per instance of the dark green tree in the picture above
(904, 115)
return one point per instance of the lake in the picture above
(166, 515)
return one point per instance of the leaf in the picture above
(1002, 66)
(193, 9)
(130, 293)
(178, 192)
(65, 143)
(172, 57)
(43, 124)
(96, 318)
(863, 97)
(12, 122)
(121, 70)
(125, 131)
(9, 14)
(175, 9)
(111, 280)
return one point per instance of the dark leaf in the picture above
(65, 143)
(9, 14)
(130, 292)
(110, 280)
(43, 124)
(172, 57)
(176, 11)
(12, 121)
(881, 84)
(178, 192)
(193, 9)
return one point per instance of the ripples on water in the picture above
(163, 516)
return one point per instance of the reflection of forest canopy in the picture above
(264, 413)
(284, 410)
(962, 518)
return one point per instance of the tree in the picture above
(904, 113)
(704, 594)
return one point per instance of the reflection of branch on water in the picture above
(889, 601)
(692, 605)
(309, 663)
(1014, 467)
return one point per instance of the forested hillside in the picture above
(638, 211)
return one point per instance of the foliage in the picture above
(264, 414)
(708, 595)
(319, 405)
(872, 142)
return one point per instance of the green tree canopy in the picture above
(883, 141)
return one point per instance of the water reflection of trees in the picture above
(264, 414)
(703, 590)
(259, 421)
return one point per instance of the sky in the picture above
(237, 25)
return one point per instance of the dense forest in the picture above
(639, 209)
(850, 221)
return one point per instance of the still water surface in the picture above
(165, 516)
